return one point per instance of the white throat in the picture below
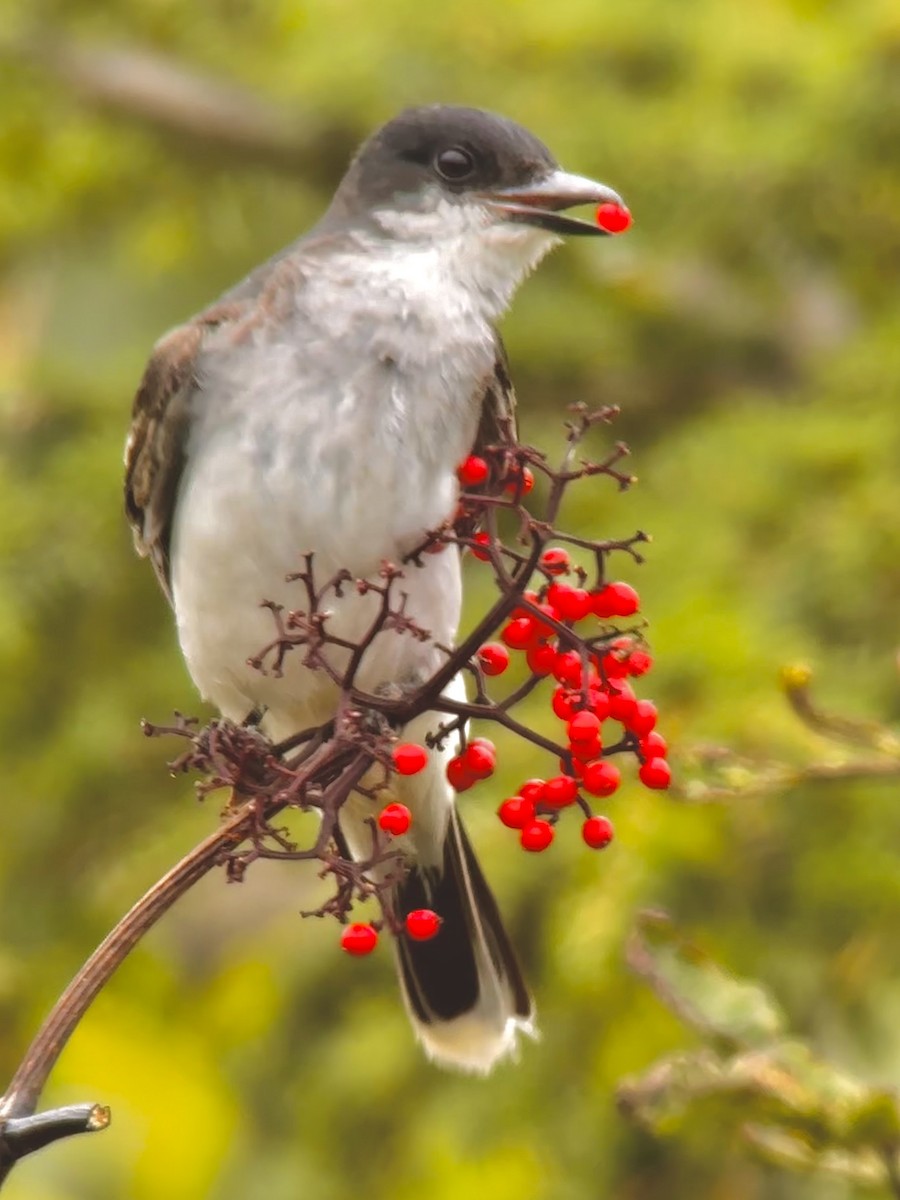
(466, 245)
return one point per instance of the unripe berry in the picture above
(559, 791)
(395, 819)
(537, 836)
(655, 773)
(422, 924)
(597, 832)
(359, 939)
(493, 658)
(473, 471)
(516, 812)
(601, 778)
(409, 759)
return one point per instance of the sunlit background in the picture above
(151, 152)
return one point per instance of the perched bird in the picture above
(323, 404)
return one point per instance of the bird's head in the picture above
(473, 182)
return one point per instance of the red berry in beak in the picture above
(613, 218)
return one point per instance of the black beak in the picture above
(540, 203)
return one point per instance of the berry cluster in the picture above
(592, 696)
(567, 627)
(592, 699)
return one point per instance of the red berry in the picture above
(359, 939)
(537, 836)
(599, 703)
(472, 471)
(543, 628)
(422, 924)
(572, 603)
(578, 763)
(643, 720)
(597, 832)
(583, 752)
(639, 662)
(616, 600)
(559, 791)
(395, 819)
(655, 773)
(568, 668)
(540, 658)
(482, 538)
(480, 758)
(519, 633)
(409, 759)
(556, 561)
(516, 812)
(622, 708)
(563, 703)
(613, 218)
(531, 597)
(493, 658)
(584, 727)
(653, 746)
(459, 775)
(601, 778)
(532, 790)
(520, 479)
(613, 666)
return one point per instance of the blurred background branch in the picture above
(199, 110)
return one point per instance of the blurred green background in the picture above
(151, 152)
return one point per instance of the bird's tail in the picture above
(463, 988)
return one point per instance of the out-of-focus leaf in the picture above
(697, 989)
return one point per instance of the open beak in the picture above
(541, 203)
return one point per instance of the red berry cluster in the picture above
(592, 695)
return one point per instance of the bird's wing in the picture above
(160, 416)
(497, 426)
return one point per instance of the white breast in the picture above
(335, 429)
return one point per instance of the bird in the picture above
(323, 405)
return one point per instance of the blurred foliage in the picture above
(749, 326)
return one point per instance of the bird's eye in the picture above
(455, 164)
